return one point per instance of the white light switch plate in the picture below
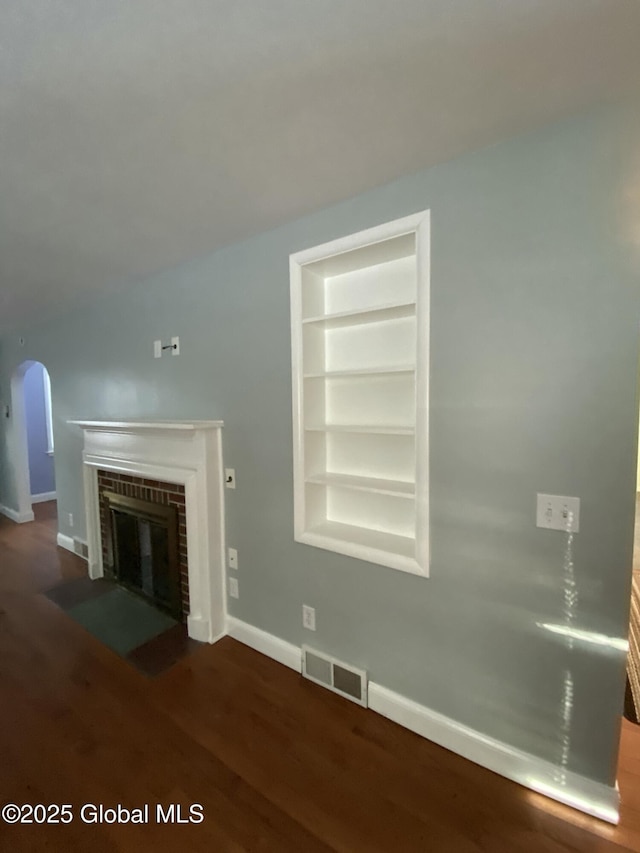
(234, 592)
(553, 512)
(233, 558)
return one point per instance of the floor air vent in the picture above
(81, 548)
(347, 681)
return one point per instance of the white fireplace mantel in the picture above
(149, 426)
(185, 452)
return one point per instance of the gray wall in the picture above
(41, 475)
(534, 325)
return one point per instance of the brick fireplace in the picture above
(177, 465)
(152, 492)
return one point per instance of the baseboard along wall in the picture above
(19, 518)
(69, 544)
(43, 497)
(586, 795)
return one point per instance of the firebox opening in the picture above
(143, 552)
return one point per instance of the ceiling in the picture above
(135, 134)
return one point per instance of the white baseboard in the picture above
(594, 798)
(68, 543)
(19, 518)
(65, 542)
(43, 497)
(268, 644)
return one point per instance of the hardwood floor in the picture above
(278, 763)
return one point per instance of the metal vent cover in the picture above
(81, 548)
(339, 677)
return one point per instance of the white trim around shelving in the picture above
(297, 389)
(369, 237)
(536, 774)
(406, 553)
(423, 322)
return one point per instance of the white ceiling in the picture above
(135, 134)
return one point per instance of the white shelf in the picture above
(374, 314)
(376, 485)
(375, 539)
(363, 371)
(360, 360)
(369, 429)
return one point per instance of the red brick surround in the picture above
(146, 490)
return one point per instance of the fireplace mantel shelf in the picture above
(124, 426)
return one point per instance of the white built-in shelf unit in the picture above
(360, 358)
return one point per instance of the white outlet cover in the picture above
(157, 349)
(234, 591)
(230, 478)
(308, 617)
(175, 343)
(70, 519)
(233, 558)
(555, 512)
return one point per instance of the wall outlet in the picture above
(70, 519)
(230, 478)
(234, 592)
(175, 343)
(557, 512)
(157, 349)
(233, 558)
(308, 617)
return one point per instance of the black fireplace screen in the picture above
(144, 549)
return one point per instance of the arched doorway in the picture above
(33, 439)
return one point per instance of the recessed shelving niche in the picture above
(360, 356)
